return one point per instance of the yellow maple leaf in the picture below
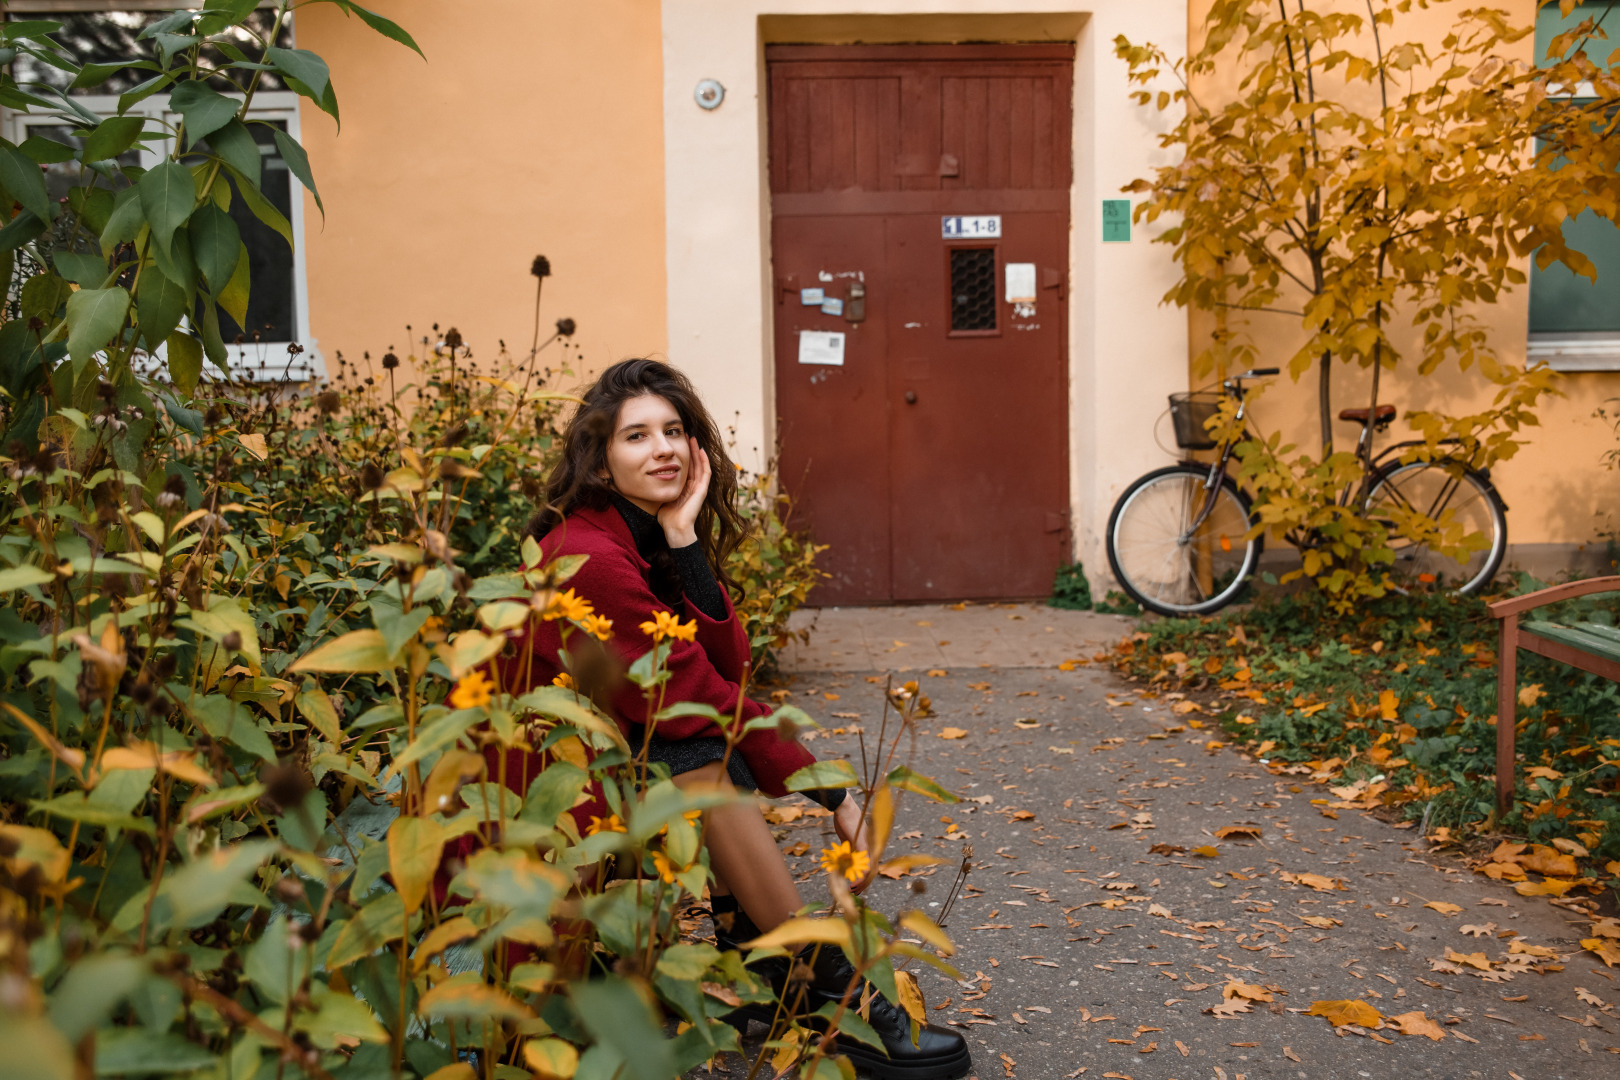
(1473, 960)
(1604, 950)
(1550, 887)
(1340, 1013)
(1415, 1023)
(1443, 908)
(1388, 705)
(1208, 851)
(1246, 991)
(952, 733)
(1529, 695)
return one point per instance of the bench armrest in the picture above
(1568, 591)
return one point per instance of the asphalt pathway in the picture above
(1096, 942)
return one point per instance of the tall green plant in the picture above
(1351, 178)
(141, 260)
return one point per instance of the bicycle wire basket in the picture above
(1189, 412)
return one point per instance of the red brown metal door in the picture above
(934, 458)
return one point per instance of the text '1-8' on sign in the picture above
(957, 226)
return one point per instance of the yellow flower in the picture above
(845, 860)
(610, 824)
(564, 680)
(473, 691)
(666, 624)
(566, 605)
(666, 869)
(598, 627)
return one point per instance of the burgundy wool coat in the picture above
(708, 670)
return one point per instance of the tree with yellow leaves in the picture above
(1349, 178)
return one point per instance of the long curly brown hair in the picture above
(577, 479)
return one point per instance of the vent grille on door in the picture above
(973, 288)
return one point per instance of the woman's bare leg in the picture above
(743, 855)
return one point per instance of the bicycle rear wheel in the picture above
(1162, 561)
(1461, 503)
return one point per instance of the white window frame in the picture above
(277, 106)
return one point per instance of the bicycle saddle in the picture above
(1386, 413)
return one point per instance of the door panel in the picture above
(832, 421)
(934, 461)
(978, 462)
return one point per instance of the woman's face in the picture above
(648, 454)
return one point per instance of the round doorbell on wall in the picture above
(709, 94)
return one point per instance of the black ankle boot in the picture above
(938, 1054)
(732, 930)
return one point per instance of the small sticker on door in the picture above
(812, 297)
(833, 305)
(1020, 283)
(821, 347)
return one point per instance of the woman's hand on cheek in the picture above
(679, 515)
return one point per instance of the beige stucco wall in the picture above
(534, 127)
(1556, 488)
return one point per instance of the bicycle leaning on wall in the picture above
(1178, 538)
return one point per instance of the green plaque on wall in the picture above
(1116, 221)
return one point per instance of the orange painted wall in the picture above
(1556, 488)
(534, 127)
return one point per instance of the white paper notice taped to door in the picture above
(821, 347)
(1020, 283)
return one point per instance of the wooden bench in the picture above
(1591, 647)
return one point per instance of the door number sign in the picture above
(959, 227)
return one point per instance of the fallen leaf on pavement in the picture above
(1289, 1054)
(1183, 1048)
(1227, 832)
(1315, 881)
(1322, 922)
(952, 733)
(1340, 1013)
(1444, 908)
(1415, 1023)
(1549, 887)
(1167, 849)
(1238, 989)
(1474, 960)
(1606, 951)
(1539, 951)
(1208, 851)
(1230, 1008)
(1589, 998)
(1477, 929)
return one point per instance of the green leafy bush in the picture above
(246, 824)
(1070, 589)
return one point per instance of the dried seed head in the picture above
(213, 416)
(104, 390)
(919, 886)
(452, 338)
(232, 641)
(328, 401)
(390, 361)
(371, 477)
(541, 267)
(284, 786)
(565, 327)
(454, 436)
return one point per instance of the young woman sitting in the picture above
(645, 490)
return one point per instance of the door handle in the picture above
(911, 397)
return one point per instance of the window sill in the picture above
(1576, 352)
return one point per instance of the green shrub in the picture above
(1070, 589)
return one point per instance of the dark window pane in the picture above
(1561, 301)
(271, 313)
(106, 37)
(973, 288)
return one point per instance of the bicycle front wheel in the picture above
(1461, 508)
(1167, 559)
